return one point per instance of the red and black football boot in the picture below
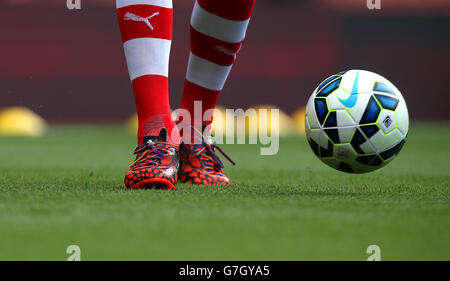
(156, 164)
(199, 163)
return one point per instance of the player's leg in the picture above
(218, 28)
(146, 28)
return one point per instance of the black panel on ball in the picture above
(357, 140)
(371, 112)
(326, 91)
(314, 147)
(393, 151)
(387, 102)
(320, 105)
(333, 134)
(376, 161)
(370, 130)
(331, 120)
(345, 167)
(365, 159)
(327, 152)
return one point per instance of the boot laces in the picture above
(151, 153)
(207, 152)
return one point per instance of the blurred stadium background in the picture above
(66, 188)
(68, 65)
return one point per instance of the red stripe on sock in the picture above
(162, 23)
(151, 93)
(230, 9)
(193, 92)
(216, 51)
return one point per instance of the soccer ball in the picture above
(356, 121)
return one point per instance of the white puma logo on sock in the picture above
(133, 17)
(228, 52)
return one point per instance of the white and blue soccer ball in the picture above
(356, 121)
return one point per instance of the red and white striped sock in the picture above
(146, 28)
(218, 29)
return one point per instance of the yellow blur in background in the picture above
(287, 125)
(20, 121)
(132, 123)
(284, 126)
(299, 120)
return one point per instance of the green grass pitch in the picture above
(67, 188)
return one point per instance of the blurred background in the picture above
(69, 66)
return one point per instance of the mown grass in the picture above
(66, 188)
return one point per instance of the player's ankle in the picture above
(153, 126)
(194, 133)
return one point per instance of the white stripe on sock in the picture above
(147, 56)
(207, 74)
(217, 27)
(159, 3)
